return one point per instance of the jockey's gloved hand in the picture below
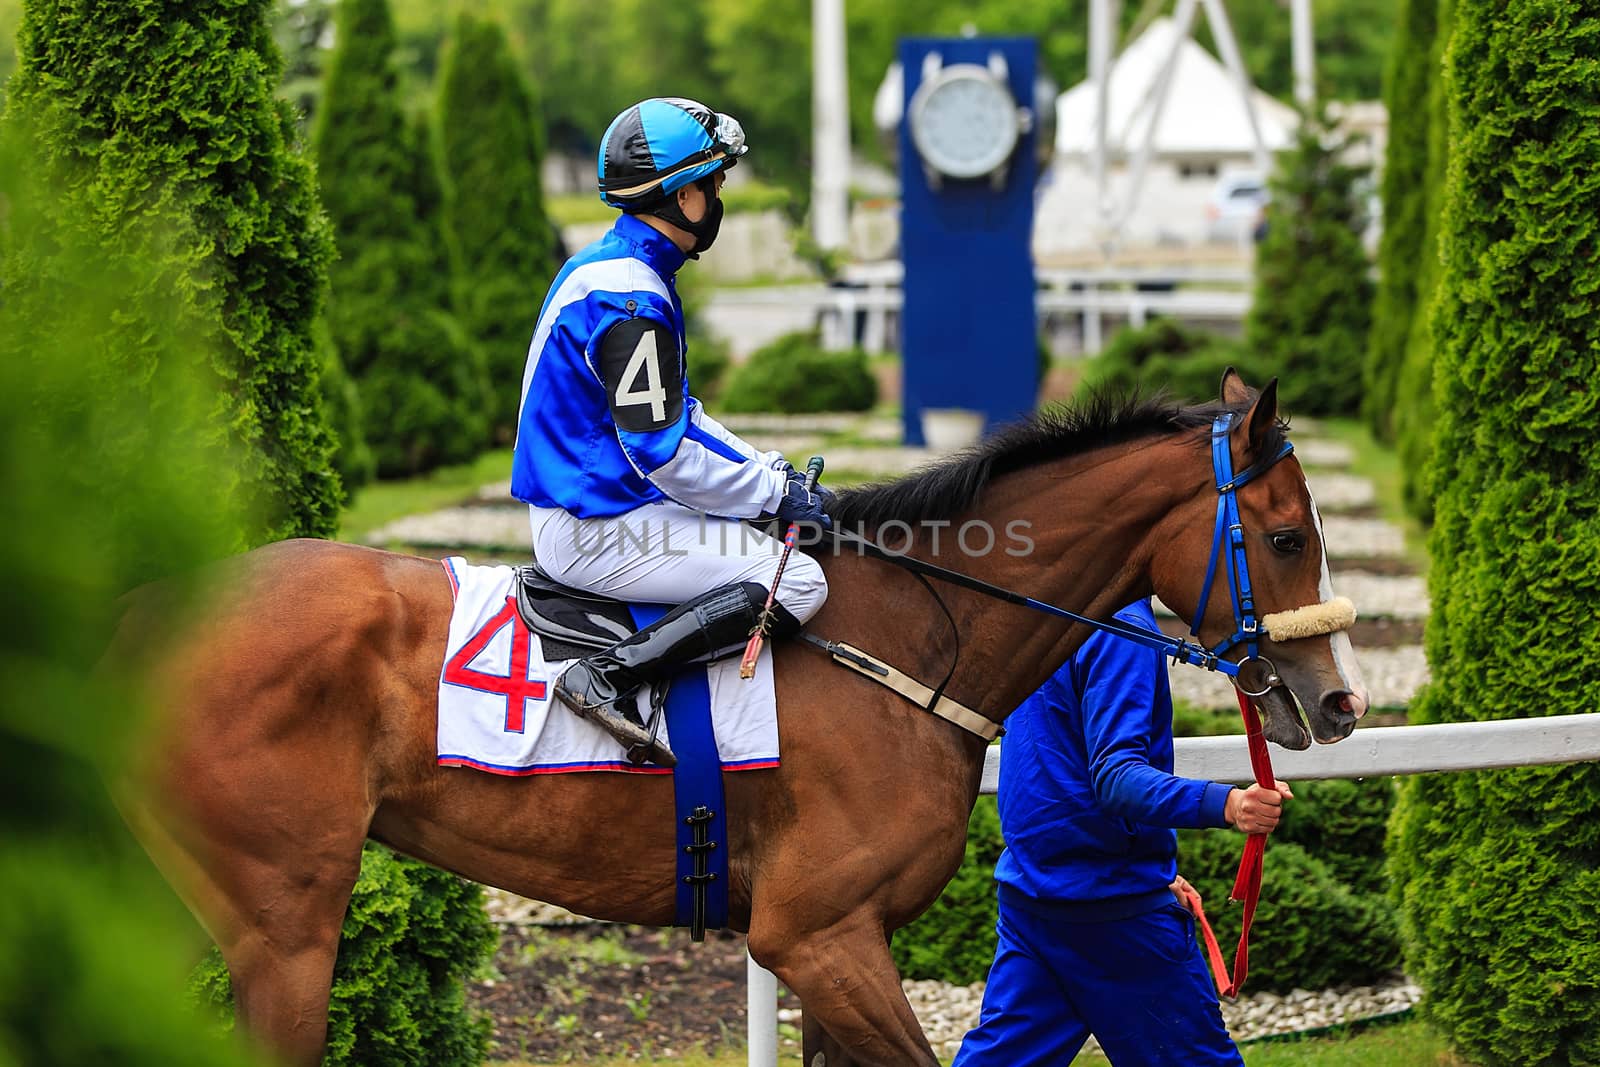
(803, 505)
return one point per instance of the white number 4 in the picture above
(647, 358)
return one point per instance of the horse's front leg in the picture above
(855, 1010)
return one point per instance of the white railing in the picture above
(1371, 753)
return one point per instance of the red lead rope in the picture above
(1247, 886)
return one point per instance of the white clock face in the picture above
(964, 122)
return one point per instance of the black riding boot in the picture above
(603, 687)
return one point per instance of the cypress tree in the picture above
(1497, 872)
(502, 246)
(1400, 249)
(164, 110)
(1413, 400)
(1313, 299)
(421, 384)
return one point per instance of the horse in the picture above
(295, 718)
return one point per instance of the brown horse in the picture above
(299, 720)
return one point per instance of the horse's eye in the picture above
(1287, 542)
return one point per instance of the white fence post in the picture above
(1370, 753)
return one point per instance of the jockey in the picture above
(634, 491)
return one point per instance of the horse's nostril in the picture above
(1354, 703)
(1343, 707)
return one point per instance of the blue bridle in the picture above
(1227, 542)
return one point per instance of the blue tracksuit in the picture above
(597, 449)
(1091, 939)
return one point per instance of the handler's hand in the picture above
(1256, 810)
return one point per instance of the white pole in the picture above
(830, 127)
(761, 1013)
(1217, 15)
(1182, 26)
(1305, 88)
(1101, 21)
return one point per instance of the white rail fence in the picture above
(1370, 753)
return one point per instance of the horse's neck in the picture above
(1089, 519)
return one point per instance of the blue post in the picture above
(968, 336)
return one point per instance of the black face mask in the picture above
(705, 231)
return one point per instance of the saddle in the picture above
(571, 623)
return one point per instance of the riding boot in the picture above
(603, 687)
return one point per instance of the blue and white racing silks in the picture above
(602, 436)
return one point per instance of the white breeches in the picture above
(666, 554)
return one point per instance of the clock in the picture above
(965, 124)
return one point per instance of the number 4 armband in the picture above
(642, 370)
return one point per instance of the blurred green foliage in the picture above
(796, 376)
(1312, 310)
(1402, 248)
(1186, 361)
(422, 384)
(112, 476)
(489, 140)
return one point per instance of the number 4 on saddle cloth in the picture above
(497, 706)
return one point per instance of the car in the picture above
(1234, 208)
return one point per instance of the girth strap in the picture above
(924, 697)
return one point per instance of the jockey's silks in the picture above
(1088, 801)
(570, 452)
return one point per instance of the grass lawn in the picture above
(1403, 1044)
(380, 502)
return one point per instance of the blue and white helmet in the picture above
(657, 146)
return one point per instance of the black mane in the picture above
(952, 485)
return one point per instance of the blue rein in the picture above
(1227, 541)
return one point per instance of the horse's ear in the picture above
(1262, 416)
(1233, 390)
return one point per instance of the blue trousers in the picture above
(1140, 985)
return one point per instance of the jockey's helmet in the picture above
(657, 146)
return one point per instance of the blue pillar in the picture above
(968, 336)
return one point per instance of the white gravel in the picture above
(1319, 452)
(1347, 538)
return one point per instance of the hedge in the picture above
(423, 386)
(1407, 83)
(161, 113)
(794, 375)
(412, 937)
(1312, 308)
(1497, 872)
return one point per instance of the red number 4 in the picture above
(518, 687)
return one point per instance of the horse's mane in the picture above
(952, 486)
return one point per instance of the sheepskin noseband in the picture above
(1328, 617)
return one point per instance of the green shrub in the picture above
(1343, 824)
(502, 245)
(412, 937)
(1407, 80)
(1311, 930)
(1497, 872)
(163, 112)
(1312, 308)
(1164, 354)
(954, 940)
(794, 375)
(422, 382)
(708, 357)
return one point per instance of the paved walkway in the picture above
(1368, 554)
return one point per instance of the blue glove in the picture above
(802, 505)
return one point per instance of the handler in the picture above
(633, 491)
(1092, 939)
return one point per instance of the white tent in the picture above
(1204, 119)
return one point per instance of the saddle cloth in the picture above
(497, 706)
